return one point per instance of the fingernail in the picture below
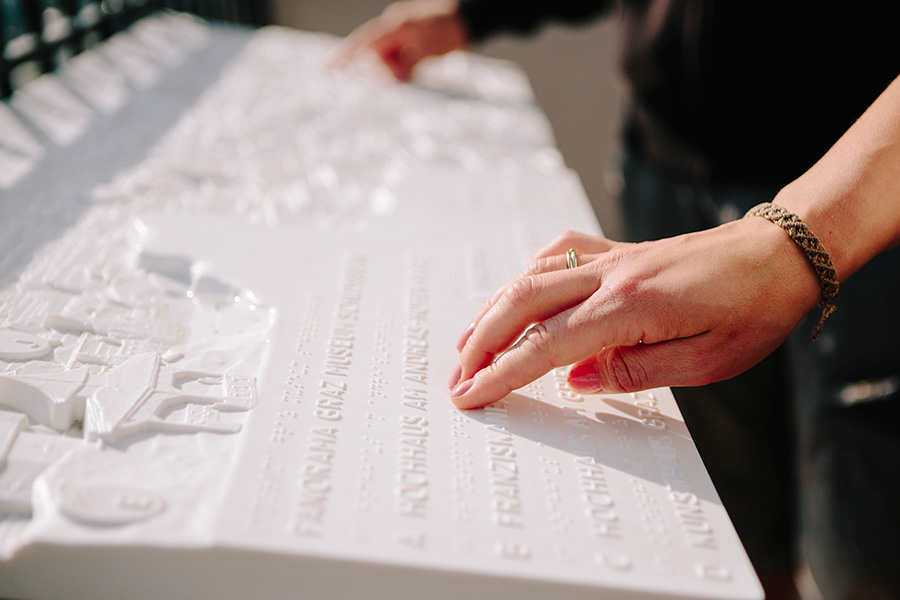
(461, 342)
(454, 377)
(462, 388)
(583, 377)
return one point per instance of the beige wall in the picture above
(572, 71)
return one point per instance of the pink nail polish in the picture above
(454, 377)
(462, 388)
(583, 377)
(461, 342)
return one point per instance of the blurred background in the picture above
(572, 70)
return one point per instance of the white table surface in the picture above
(230, 284)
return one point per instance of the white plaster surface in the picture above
(231, 352)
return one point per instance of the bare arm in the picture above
(851, 197)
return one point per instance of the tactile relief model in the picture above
(225, 371)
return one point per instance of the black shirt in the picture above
(731, 90)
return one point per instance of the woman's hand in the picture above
(693, 309)
(405, 33)
(688, 310)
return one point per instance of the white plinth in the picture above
(233, 358)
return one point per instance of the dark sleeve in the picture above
(483, 18)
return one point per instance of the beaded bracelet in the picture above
(813, 249)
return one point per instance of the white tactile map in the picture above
(223, 361)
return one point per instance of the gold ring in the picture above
(571, 259)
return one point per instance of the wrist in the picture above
(805, 199)
(812, 248)
(793, 279)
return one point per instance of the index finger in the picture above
(528, 300)
(536, 266)
(558, 341)
(549, 258)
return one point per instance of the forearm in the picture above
(851, 197)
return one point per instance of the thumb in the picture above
(686, 361)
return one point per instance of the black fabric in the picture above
(736, 91)
(486, 18)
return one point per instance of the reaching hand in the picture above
(407, 32)
(688, 310)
